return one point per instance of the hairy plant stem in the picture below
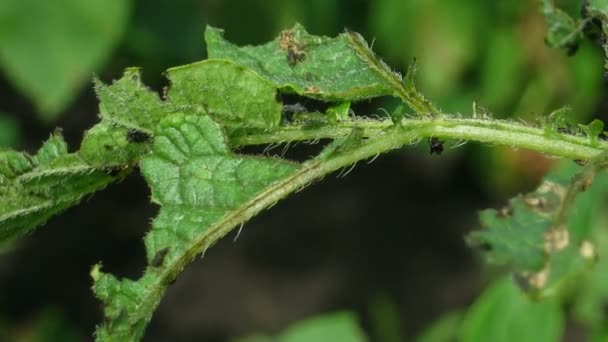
(409, 130)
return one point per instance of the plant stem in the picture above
(408, 130)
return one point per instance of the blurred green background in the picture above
(383, 246)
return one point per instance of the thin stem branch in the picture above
(498, 132)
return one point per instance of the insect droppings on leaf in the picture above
(435, 146)
(159, 257)
(137, 136)
(295, 50)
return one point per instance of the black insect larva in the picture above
(435, 146)
(137, 136)
(159, 257)
(295, 56)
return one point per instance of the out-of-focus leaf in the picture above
(504, 314)
(385, 321)
(9, 131)
(592, 294)
(445, 38)
(444, 329)
(50, 49)
(563, 31)
(501, 71)
(49, 325)
(334, 327)
(534, 235)
(598, 8)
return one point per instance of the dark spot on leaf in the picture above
(435, 146)
(586, 183)
(137, 136)
(295, 56)
(158, 259)
(295, 50)
(522, 281)
(108, 147)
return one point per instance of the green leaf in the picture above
(129, 103)
(443, 329)
(338, 326)
(34, 188)
(129, 113)
(592, 293)
(593, 130)
(50, 48)
(562, 30)
(204, 191)
(10, 132)
(534, 234)
(503, 313)
(232, 94)
(384, 319)
(327, 68)
(597, 8)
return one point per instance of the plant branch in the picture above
(408, 130)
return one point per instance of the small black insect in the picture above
(137, 136)
(435, 146)
(295, 56)
(158, 259)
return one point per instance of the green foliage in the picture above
(74, 38)
(204, 87)
(183, 143)
(49, 325)
(9, 131)
(34, 188)
(562, 30)
(444, 329)
(299, 62)
(339, 326)
(542, 235)
(204, 190)
(503, 313)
